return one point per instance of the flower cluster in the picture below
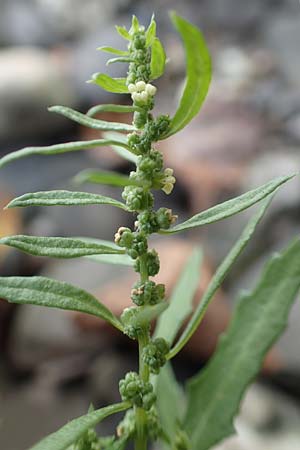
(142, 93)
(138, 392)
(154, 354)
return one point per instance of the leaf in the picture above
(180, 304)
(121, 59)
(58, 148)
(151, 32)
(158, 59)
(148, 313)
(42, 291)
(83, 119)
(111, 108)
(230, 207)
(170, 401)
(63, 198)
(114, 51)
(218, 278)
(134, 25)
(58, 247)
(260, 318)
(126, 154)
(72, 431)
(109, 84)
(198, 74)
(123, 32)
(123, 259)
(104, 177)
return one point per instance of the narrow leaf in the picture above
(104, 177)
(260, 318)
(72, 431)
(59, 247)
(198, 74)
(58, 148)
(158, 59)
(123, 260)
(121, 59)
(170, 322)
(123, 32)
(218, 278)
(111, 108)
(41, 291)
(109, 84)
(148, 313)
(230, 207)
(151, 32)
(114, 51)
(123, 152)
(134, 25)
(63, 198)
(83, 119)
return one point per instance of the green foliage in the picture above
(115, 85)
(111, 108)
(43, 291)
(63, 198)
(261, 316)
(158, 59)
(70, 433)
(115, 51)
(104, 177)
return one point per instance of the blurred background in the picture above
(54, 364)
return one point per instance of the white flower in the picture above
(132, 88)
(140, 86)
(150, 89)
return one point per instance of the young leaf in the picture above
(198, 74)
(63, 198)
(123, 152)
(102, 177)
(134, 25)
(43, 291)
(123, 32)
(114, 51)
(148, 313)
(83, 119)
(158, 59)
(111, 108)
(151, 32)
(218, 278)
(170, 401)
(230, 207)
(59, 148)
(109, 84)
(180, 304)
(59, 247)
(72, 431)
(260, 318)
(121, 59)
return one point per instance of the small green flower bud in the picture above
(131, 327)
(147, 222)
(153, 424)
(139, 245)
(124, 237)
(139, 41)
(154, 354)
(165, 218)
(136, 198)
(139, 393)
(152, 262)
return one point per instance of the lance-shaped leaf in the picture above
(230, 207)
(151, 32)
(158, 59)
(198, 74)
(83, 119)
(121, 59)
(260, 318)
(59, 247)
(72, 431)
(148, 313)
(104, 177)
(111, 108)
(63, 198)
(109, 84)
(218, 279)
(42, 291)
(122, 259)
(59, 148)
(180, 304)
(114, 51)
(123, 32)
(123, 152)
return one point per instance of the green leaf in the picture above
(114, 51)
(198, 74)
(123, 260)
(111, 108)
(58, 247)
(170, 401)
(218, 278)
(170, 322)
(58, 148)
(148, 313)
(109, 84)
(121, 59)
(63, 198)
(134, 25)
(231, 207)
(72, 431)
(123, 152)
(123, 32)
(260, 318)
(104, 177)
(158, 59)
(83, 119)
(43, 291)
(151, 32)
